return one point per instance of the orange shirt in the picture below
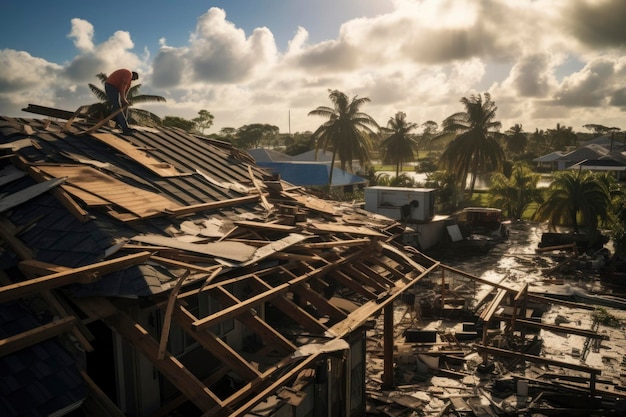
(121, 80)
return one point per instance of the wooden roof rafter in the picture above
(214, 344)
(256, 324)
(293, 310)
(270, 293)
(87, 273)
(38, 334)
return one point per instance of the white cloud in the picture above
(422, 58)
(82, 33)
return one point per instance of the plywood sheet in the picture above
(234, 251)
(140, 202)
(160, 168)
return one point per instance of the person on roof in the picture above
(116, 87)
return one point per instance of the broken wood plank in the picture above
(275, 246)
(338, 228)
(270, 227)
(537, 359)
(197, 208)
(266, 205)
(87, 273)
(103, 121)
(77, 113)
(160, 168)
(140, 202)
(165, 332)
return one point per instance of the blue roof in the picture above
(306, 174)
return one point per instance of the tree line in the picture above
(468, 144)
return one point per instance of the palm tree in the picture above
(103, 108)
(399, 146)
(576, 199)
(517, 139)
(515, 193)
(475, 150)
(561, 137)
(603, 130)
(347, 132)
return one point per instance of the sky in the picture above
(543, 62)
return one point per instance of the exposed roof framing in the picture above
(136, 217)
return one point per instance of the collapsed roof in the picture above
(93, 221)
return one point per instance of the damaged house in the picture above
(165, 273)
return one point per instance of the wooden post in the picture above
(388, 347)
(443, 288)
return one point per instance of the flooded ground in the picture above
(516, 261)
(512, 263)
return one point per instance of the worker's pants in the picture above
(115, 99)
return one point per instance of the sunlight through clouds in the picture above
(538, 60)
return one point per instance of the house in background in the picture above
(549, 161)
(600, 154)
(303, 170)
(165, 273)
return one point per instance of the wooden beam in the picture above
(7, 234)
(254, 323)
(343, 279)
(386, 265)
(384, 282)
(235, 310)
(87, 273)
(96, 308)
(262, 394)
(216, 346)
(200, 395)
(32, 268)
(103, 121)
(180, 264)
(490, 310)
(559, 329)
(38, 334)
(197, 208)
(64, 197)
(103, 401)
(537, 359)
(295, 312)
(319, 302)
(375, 275)
(271, 293)
(395, 253)
(171, 300)
(335, 244)
(365, 311)
(388, 330)
(361, 276)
